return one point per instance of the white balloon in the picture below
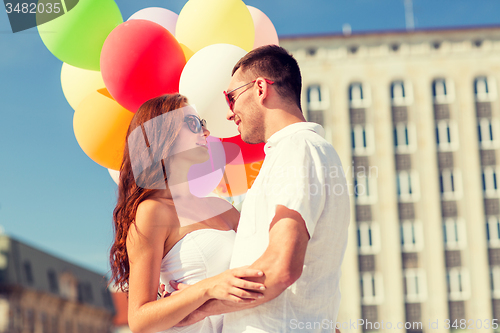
(78, 83)
(162, 16)
(204, 78)
(115, 175)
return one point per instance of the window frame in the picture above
(457, 228)
(458, 276)
(490, 94)
(418, 289)
(449, 89)
(493, 228)
(413, 183)
(490, 177)
(364, 101)
(456, 182)
(357, 135)
(450, 128)
(405, 131)
(405, 100)
(369, 295)
(368, 182)
(488, 126)
(368, 230)
(323, 102)
(411, 230)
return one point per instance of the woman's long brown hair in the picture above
(130, 193)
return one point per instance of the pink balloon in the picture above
(265, 33)
(204, 177)
(162, 16)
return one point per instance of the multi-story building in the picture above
(415, 119)
(40, 293)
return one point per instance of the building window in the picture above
(487, 130)
(443, 91)
(28, 273)
(490, 182)
(372, 292)
(495, 282)
(455, 234)
(362, 140)
(359, 95)
(401, 93)
(446, 135)
(485, 89)
(405, 139)
(365, 189)
(317, 98)
(368, 238)
(53, 283)
(408, 186)
(412, 236)
(450, 181)
(493, 231)
(458, 284)
(415, 285)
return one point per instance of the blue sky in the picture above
(55, 198)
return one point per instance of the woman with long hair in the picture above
(163, 232)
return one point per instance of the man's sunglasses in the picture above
(195, 124)
(231, 100)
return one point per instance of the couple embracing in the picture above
(275, 267)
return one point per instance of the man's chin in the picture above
(250, 140)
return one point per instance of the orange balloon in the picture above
(238, 178)
(100, 126)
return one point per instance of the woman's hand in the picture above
(231, 285)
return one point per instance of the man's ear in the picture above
(262, 89)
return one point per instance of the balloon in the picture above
(204, 78)
(202, 23)
(265, 33)
(115, 175)
(77, 37)
(78, 83)
(204, 177)
(238, 179)
(141, 60)
(251, 153)
(100, 126)
(162, 16)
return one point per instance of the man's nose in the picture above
(230, 115)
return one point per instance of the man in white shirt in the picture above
(294, 219)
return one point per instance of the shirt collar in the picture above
(292, 129)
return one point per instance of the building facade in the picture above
(40, 293)
(414, 117)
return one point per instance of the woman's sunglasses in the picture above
(195, 124)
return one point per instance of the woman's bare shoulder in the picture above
(158, 212)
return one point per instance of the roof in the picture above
(22, 266)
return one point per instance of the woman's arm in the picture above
(145, 245)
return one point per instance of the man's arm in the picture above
(281, 263)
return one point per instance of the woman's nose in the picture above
(206, 132)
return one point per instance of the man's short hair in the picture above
(276, 64)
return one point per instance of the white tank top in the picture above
(200, 254)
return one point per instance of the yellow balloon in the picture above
(202, 23)
(100, 126)
(78, 83)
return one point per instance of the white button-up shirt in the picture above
(302, 172)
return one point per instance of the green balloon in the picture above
(77, 36)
